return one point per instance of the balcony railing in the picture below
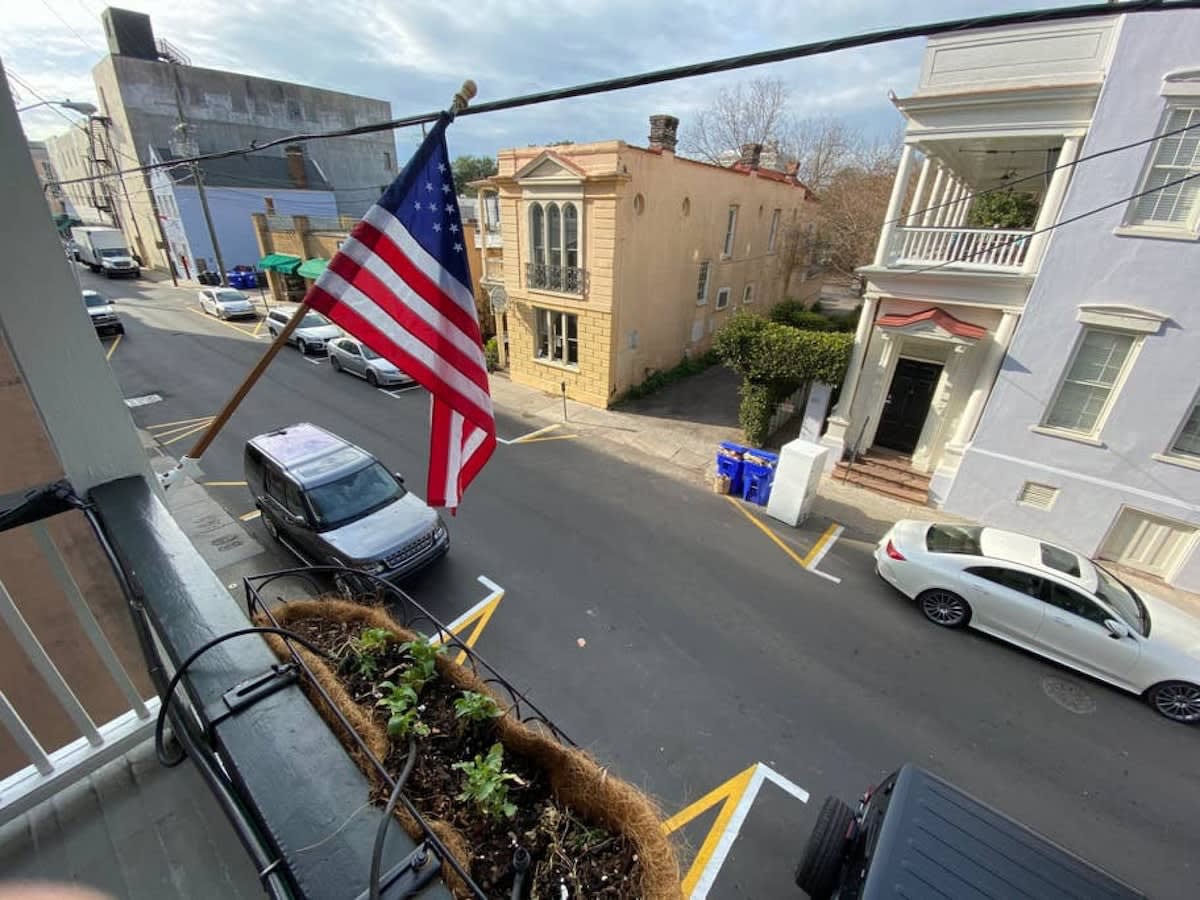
(562, 279)
(985, 249)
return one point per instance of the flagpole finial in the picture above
(464, 96)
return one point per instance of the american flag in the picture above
(401, 285)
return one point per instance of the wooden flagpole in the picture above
(459, 103)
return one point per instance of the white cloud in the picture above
(416, 54)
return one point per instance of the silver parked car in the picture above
(226, 303)
(311, 335)
(346, 354)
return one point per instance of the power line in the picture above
(727, 64)
(1043, 174)
(52, 105)
(69, 27)
(1029, 234)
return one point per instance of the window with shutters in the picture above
(730, 233)
(722, 298)
(1170, 192)
(1091, 382)
(702, 285)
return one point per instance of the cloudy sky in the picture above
(416, 54)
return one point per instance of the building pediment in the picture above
(933, 323)
(550, 168)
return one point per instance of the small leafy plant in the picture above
(366, 649)
(404, 714)
(423, 666)
(486, 783)
(476, 707)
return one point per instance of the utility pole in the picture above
(184, 145)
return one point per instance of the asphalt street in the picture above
(666, 633)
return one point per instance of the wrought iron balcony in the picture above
(562, 279)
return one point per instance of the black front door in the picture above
(907, 404)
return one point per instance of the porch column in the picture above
(899, 186)
(918, 199)
(1051, 204)
(935, 196)
(839, 421)
(988, 369)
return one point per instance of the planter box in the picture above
(582, 826)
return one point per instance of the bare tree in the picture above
(751, 112)
(821, 145)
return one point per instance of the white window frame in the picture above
(1173, 454)
(730, 233)
(545, 317)
(722, 293)
(773, 234)
(748, 293)
(560, 206)
(703, 282)
(1189, 229)
(1114, 389)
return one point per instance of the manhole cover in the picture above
(1069, 696)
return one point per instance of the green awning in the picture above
(312, 268)
(279, 262)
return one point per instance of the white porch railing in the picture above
(985, 249)
(51, 771)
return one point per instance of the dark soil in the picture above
(589, 862)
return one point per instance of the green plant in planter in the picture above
(400, 700)
(1003, 209)
(366, 649)
(423, 666)
(486, 783)
(476, 707)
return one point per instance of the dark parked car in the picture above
(916, 835)
(332, 503)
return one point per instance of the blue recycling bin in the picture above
(758, 477)
(729, 464)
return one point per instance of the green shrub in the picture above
(794, 313)
(1003, 209)
(491, 354)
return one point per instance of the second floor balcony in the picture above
(560, 279)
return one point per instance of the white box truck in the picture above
(105, 250)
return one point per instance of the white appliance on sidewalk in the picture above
(801, 464)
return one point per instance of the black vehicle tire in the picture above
(269, 524)
(301, 346)
(1178, 701)
(120, 329)
(372, 378)
(348, 587)
(819, 868)
(335, 363)
(944, 608)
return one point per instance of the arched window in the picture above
(571, 235)
(537, 234)
(554, 234)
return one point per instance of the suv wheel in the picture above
(269, 524)
(945, 608)
(347, 586)
(819, 868)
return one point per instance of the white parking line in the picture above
(315, 362)
(531, 434)
(396, 392)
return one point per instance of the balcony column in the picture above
(1051, 204)
(899, 188)
(839, 421)
(918, 199)
(988, 369)
(936, 195)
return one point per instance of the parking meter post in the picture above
(564, 396)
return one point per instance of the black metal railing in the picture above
(563, 279)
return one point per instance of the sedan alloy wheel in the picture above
(944, 608)
(1177, 700)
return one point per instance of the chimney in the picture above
(295, 166)
(663, 133)
(751, 154)
(792, 171)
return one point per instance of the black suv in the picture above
(332, 503)
(916, 835)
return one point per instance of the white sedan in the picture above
(1050, 601)
(226, 303)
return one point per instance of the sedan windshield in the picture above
(94, 298)
(353, 496)
(230, 296)
(368, 353)
(1122, 599)
(313, 320)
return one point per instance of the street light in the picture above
(82, 107)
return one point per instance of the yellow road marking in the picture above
(162, 433)
(251, 515)
(180, 422)
(824, 539)
(796, 558)
(261, 323)
(113, 346)
(188, 433)
(239, 329)
(728, 795)
(223, 483)
(479, 615)
(549, 437)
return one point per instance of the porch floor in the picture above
(134, 830)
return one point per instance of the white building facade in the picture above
(1037, 377)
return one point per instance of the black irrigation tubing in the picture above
(727, 64)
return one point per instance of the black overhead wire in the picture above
(727, 64)
(1024, 236)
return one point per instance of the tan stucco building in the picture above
(620, 260)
